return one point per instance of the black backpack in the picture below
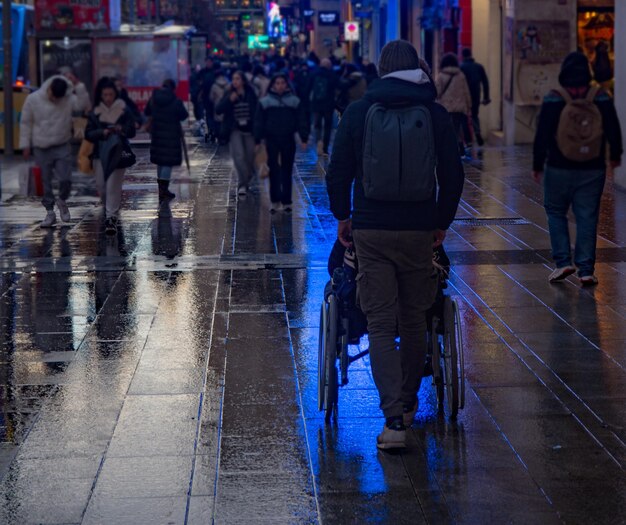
(399, 158)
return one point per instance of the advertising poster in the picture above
(542, 42)
(142, 64)
(77, 55)
(87, 15)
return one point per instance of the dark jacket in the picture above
(351, 88)
(167, 112)
(328, 102)
(545, 149)
(226, 107)
(346, 165)
(94, 132)
(279, 117)
(132, 107)
(476, 77)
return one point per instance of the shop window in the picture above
(596, 28)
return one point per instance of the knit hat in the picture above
(398, 55)
(575, 71)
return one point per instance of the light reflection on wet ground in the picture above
(168, 374)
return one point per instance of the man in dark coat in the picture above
(167, 112)
(574, 183)
(476, 77)
(394, 239)
(324, 83)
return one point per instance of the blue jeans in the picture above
(582, 190)
(164, 172)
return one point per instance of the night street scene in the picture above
(313, 262)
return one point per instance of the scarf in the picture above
(110, 115)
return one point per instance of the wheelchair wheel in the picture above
(460, 352)
(326, 358)
(450, 356)
(435, 352)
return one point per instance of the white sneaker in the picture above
(242, 190)
(561, 274)
(391, 439)
(50, 220)
(64, 212)
(588, 280)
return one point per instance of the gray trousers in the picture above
(110, 190)
(396, 285)
(56, 160)
(242, 151)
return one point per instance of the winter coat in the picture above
(279, 117)
(351, 89)
(102, 117)
(167, 112)
(452, 91)
(217, 93)
(405, 88)
(328, 101)
(476, 77)
(226, 108)
(546, 150)
(44, 123)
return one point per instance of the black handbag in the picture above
(127, 156)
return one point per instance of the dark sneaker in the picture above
(561, 274)
(242, 190)
(287, 208)
(64, 212)
(589, 280)
(110, 226)
(275, 207)
(479, 139)
(50, 220)
(392, 437)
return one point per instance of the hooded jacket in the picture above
(44, 123)
(167, 112)
(404, 88)
(576, 77)
(452, 91)
(279, 117)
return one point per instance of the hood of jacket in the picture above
(43, 90)
(451, 70)
(163, 97)
(396, 92)
(575, 71)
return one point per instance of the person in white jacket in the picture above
(46, 131)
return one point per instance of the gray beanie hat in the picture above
(397, 55)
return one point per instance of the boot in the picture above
(164, 192)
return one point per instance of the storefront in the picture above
(595, 35)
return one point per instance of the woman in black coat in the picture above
(167, 112)
(109, 123)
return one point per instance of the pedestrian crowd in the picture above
(394, 177)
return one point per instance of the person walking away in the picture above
(130, 103)
(476, 79)
(111, 117)
(238, 105)
(206, 79)
(602, 68)
(260, 82)
(454, 95)
(46, 130)
(575, 123)
(323, 87)
(280, 115)
(394, 186)
(167, 112)
(352, 86)
(215, 121)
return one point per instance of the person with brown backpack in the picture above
(576, 122)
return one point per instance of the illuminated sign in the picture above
(328, 18)
(258, 42)
(351, 31)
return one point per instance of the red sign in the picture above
(71, 14)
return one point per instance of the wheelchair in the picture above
(343, 324)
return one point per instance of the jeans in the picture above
(582, 190)
(281, 172)
(110, 190)
(242, 152)
(396, 285)
(56, 160)
(164, 172)
(327, 117)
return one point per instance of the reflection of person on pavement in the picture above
(166, 233)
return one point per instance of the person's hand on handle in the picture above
(344, 233)
(440, 235)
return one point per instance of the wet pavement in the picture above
(168, 374)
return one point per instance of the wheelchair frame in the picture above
(445, 351)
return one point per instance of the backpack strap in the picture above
(565, 94)
(447, 85)
(591, 94)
